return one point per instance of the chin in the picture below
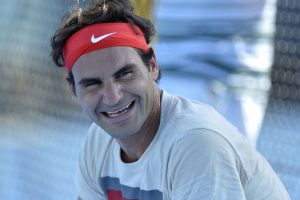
(122, 132)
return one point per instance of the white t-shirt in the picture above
(196, 154)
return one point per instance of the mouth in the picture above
(120, 112)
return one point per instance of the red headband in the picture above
(99, 36)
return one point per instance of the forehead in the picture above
(106, 60)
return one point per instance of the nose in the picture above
(112, 93)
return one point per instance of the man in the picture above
(145, 143)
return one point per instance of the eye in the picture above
(89, 84)
(124, 75)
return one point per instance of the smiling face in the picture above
(117, 90)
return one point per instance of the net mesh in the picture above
(41, 126)
(279, 138)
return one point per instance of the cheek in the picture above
(87, 102)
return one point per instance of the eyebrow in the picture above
(86, 81)
(126, 68)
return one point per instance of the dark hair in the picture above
(99, 12)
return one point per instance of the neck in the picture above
(134, 146)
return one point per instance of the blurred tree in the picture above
(144, 8)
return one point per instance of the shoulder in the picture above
(95, 146)
(185, 115)
(97, 137)
(198, 125)
(204, 159)
(95, 133)
(205, 142)
(92, 152)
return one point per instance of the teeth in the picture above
(121, 111)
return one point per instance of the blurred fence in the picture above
(41, 128)
(279, 139)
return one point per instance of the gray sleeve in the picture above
(203, 165)
(88, 187)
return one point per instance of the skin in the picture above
(110, 79)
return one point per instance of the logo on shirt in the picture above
(98, 39)
(114, 190)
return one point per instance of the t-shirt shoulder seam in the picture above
(187, 132)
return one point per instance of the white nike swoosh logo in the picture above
(95, 40)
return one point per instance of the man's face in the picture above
(116, 89)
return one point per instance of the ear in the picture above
(72, 89)
(70, 81)
(154, 69)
